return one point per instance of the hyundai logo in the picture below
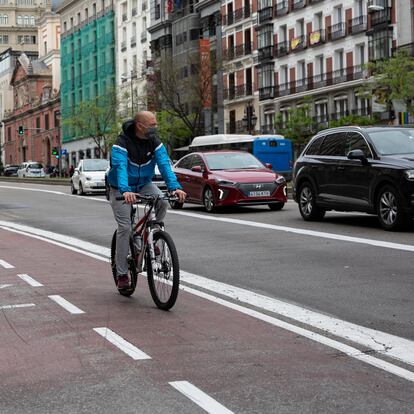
(258, 186)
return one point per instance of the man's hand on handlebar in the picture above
(130, 198)
(180, 194)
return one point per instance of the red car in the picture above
(226, 178)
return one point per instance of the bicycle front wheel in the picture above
(163, 272)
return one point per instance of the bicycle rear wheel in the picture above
(133, 273)
(163, 272)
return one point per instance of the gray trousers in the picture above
(122, 214)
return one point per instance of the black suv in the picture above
(369, 169)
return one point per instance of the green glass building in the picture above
(87, 58)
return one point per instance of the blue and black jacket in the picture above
(133, 162)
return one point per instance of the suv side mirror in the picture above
(269, 166)
(357, 155)
(197, 169)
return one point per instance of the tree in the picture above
(172, 130)
(353, 120)
(392, 80)
(299, 126)
(98, 119)
(182, 91)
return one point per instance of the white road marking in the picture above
(66, 304)
(28, 279)
(390, 345)
(122, 344)
(199, 397)
(33, 189)
(394, 346)
(23, 305)
(5, 286)
(346, 349)
(6, 265)
(320, 234)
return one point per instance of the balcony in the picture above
(380, 48)
(123, 46)
(143, 36)
(237, 52)
(237, 92)
(281, 8)
(267, 92)
(265, 52)
(314, 1)
(316, 38)
(298, 43)
(281, 49)
(237, 16)
(265, 15)
(299, 4)
(357, 25)
(134, 12)
(133, 41)
(381, 17)
(124, 17)
(337, 31)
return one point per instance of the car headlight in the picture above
(409, 174)
(221, 181)
(280, 180)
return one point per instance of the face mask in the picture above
(151, 133)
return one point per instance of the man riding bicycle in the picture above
(134, 156)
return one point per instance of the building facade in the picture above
(319, 48)
(87, 65)
(133, 53)
(18, 23)
(36, 110)
(239, 43)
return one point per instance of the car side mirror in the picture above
(197, 169)
(357, 155)
(269, 166)
(76, 170)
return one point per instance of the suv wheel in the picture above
(307, 204)
(389, 209)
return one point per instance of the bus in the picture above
(271, 149)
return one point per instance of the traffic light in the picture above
(55, 152)
(21, 129)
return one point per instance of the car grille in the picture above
(246, 188)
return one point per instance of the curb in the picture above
(49, 181)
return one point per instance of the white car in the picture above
(31, 169)
(89, 176)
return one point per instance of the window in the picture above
(47, 122)
(64, 26)
(338, 14)
(9, 134)
(319, 68)
(359, 7)
(38, 123)
(357, 141)
(4, 19)
(265, 36)
(314, 147)
(318, 21)
(339, 59)
(197, 161)
(360, 54)
(334, 145)
(185, 162)
(4, 39)
(341, 106)
(300, 27)
(86, 14)
(266, 78)
(78, 18)
(94, 9)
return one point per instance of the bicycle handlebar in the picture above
(165, 196)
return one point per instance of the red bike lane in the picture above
(52, 359)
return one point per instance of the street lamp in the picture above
(249, 120)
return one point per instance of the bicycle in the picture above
(157, 254)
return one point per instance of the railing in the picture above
(238, 91)
(299, 4)
(381, 17)
(265, 52)
(281, 8)
(133, 41)
(124, 17)
(337, 31)
(267, 129)
(362, 111)
(265, 14)
(298, 43)
(267, 92)
(123, 46)
(237, 15)
(317, 37)
(357, 24)
(281, 49)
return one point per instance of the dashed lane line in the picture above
(387, 344)
(200, 398)
(6, 265)
(28, 279)
(22, 305)
(74, 310)
(122, 344)
(5, 286)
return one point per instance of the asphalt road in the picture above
(345, 267)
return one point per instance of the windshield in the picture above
(95, 165)
(35, 166)
(232, 161)
(393, 141)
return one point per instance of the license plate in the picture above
(259, 193)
